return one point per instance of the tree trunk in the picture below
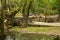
(58, 19)
(26, 14)
(23, 11)
(2, 33)
(45, 19)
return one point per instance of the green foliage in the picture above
(52, 12)
(39, 6)
(43, 6)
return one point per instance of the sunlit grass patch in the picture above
(37, 29)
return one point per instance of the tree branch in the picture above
(15, 12)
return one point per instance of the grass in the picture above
(36, 36)
(48, 30)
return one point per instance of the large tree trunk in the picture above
(26, 14)
(2, 33)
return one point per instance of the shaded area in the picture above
(32, 36)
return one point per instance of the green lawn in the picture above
(36, 33)
(34, 37)
(47, 30)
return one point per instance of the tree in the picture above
(11, 13)
(58, 3)
(8, 18)
(2, 32)
(26, 13)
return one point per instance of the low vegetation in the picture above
(38, 30)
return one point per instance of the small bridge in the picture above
(44, 24)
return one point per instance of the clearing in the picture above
(38, 30)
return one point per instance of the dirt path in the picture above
(45, 24)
